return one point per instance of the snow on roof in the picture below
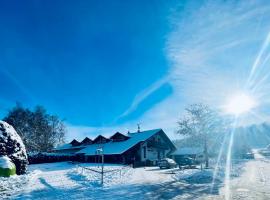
(68, 146)
(118, 134)
(75, 143)
(187, 151)
(119, 147)
(86, 140)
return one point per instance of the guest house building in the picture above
(139, 148)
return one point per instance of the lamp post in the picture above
(100, 153)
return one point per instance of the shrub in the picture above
(11, 145)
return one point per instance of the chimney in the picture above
(139, 127)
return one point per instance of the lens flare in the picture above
(239, 104)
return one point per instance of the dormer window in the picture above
(118, 137)
(86, 141)
(100, 140)
(75, 143)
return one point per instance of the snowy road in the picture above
(64, 180)
(68, 181)
(253, 184)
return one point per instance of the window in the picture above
(144, 152)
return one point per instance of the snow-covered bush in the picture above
(11, 145)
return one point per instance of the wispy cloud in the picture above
(143, 95)
(212, 48)
(213, 45)
(17, 83)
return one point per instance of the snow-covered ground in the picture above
(72, 181)
(254, 182)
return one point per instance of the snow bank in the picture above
(6, 163)
(14, 185)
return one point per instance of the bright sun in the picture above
(240, 104)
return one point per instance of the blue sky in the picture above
(85, 60)
(108, 65)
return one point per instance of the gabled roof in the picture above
(86, 140)
(75, 143)
(67, 146)
(120, 147)
(100, 138)
(118, 135)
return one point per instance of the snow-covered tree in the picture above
(11, 145)
(39, 130)
(201, 125)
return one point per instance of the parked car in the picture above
(248, 156)
(265, 152)
(186, 162)
(200, 158)
(167, 163)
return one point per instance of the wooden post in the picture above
(120, 174)
(102, 166)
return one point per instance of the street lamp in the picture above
(99, 152)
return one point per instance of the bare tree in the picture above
(58, 129)
(39, 130)
(201, 123)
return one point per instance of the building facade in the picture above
(139, 148)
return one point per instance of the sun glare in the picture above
(240, 104)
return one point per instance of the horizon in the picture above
(104, 73)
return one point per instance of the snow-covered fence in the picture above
(119, 172)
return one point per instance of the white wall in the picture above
(151, 153)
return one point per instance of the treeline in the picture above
(39, 130)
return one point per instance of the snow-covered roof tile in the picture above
(119, 147)
(67, 146)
